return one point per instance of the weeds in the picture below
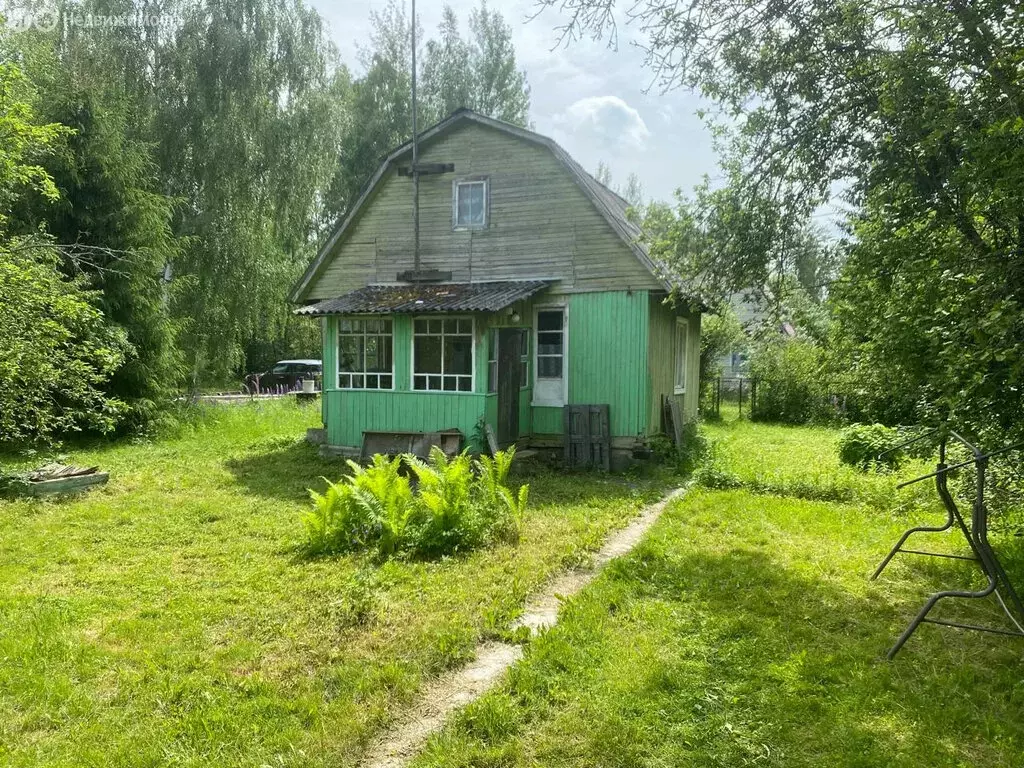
(459, 504)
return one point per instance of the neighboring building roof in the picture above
(433, 297)
(611, 206)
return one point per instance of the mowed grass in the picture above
(803, 462)
(171, 618)
(744, 630)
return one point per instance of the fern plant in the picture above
(385, 495)
(447, 520)
(506, 507)
(458, 504)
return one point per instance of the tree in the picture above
(56, 350)
(447, 72)
(248, 124)
(480, 74)
(919, 108)
(24, 143)
(112, 224)
(633, 192)
(500, 89)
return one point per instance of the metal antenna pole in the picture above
(415, 158)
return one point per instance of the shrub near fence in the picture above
(791, 385)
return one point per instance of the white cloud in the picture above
(609, 119)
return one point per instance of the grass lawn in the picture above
(171, 619)
(744, 631)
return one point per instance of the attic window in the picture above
(469, 206)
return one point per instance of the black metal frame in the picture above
(976, 535)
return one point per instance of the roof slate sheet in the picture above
(433, 297)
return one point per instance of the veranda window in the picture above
(443, 354)
(550, 382)
(365, 353)
(550, 344)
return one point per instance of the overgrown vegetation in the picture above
(172, 616)
(869, 445)
(458, 504)
(803, 462)
(181, 166)
(744, 630)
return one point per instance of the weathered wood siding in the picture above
(540, 224)
(661, 363)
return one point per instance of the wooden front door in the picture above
(509, 355)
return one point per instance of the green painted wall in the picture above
(547, 421)
(350, 413)
(607, 360)
(620, 352)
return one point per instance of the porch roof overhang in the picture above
(432, 297)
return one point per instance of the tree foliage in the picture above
(57, 350)
(478, 72)
(918, 108)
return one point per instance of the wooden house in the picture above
(532, 293)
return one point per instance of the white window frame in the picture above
(539, 399)
(485, 182)
(679, 366)
(337, 352)
(472, 359)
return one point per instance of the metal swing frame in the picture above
(976, 535)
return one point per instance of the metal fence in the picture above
(741, 390)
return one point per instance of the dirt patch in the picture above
(462, 686)
(542, 610)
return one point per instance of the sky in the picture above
(593, 100)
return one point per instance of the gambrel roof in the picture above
(611, 206)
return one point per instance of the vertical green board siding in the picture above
(607, 360)
(608, 356)
(547, 420)
(329, 357)
(351, 412)
(526, 410)
(491, 411)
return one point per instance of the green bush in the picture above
(458, 504)
(863, 446)
(716, 479)
(57, 352)
(687, 456)
(789, 382)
